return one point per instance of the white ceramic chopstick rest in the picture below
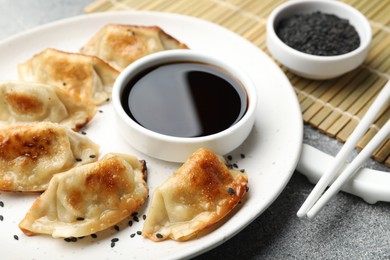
(339, 161)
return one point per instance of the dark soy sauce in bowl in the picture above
(185, 99)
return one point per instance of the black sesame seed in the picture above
(83, 132)
(231, 191)
(135, 213)
(115, 239)
(81, 237)
(108, 99)
(78, 159)
(235, 165)
(116, 227)
(1, 218)
(158, 235)
(93, 235)
(16, 237)
(92, 156)
(230, 157)
(130, 223)
(135, 218)
(139, 232)
(242, 170)
(100, 111)
(144, 217)
(242, 156)
(112, 244)
(80, 219)
(69, 239)
(1, 204)
(247, 189)
(318, 33)
(132, 235)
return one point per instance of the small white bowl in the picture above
(313, 66)
(178, 149)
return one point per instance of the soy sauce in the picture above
(185, 99)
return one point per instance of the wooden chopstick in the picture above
(309, 208)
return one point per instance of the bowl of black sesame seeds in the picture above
(318, 39)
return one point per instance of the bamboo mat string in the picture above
(333, 106)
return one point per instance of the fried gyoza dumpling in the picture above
(22, 101)
(120, 45)
(89, 198)
(200, 193)
(30, 154)
(81, 75)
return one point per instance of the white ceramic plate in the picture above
(271, 152)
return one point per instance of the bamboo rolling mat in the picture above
(332, 106)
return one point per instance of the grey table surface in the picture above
(348, 228)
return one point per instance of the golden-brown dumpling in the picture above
(89, 198)
(81, 75)
(30, 154)
(22, 101)
(200, 193)
(120, 44)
